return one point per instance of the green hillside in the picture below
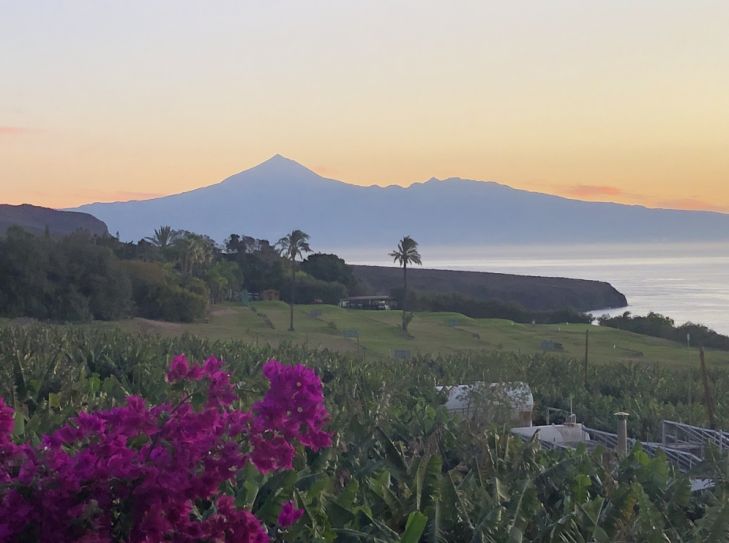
(377, 333)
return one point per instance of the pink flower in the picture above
(150, 466)
(289, 515)
(6, 420)
(179, 368)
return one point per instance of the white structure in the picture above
(510, 402)
(569, 433)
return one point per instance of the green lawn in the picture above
(377, 333)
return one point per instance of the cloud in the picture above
(592, 191)
(692, 204)
(12, 130)
(115, 196)
(611, 193)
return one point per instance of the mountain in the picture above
(59, 223)
(278, 195)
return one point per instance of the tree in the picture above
(193, 251)
(291, 247)
(406, 253)
(329, 267)
(163, 237)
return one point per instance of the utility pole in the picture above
(708, 399)
(587, 355)
(690, 379)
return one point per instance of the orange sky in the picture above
(615, 100)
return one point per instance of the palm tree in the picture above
(406, 253)
(193, 251)
(291, 247)
(163, 237)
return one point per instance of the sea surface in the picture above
(684, 282)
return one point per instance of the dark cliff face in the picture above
(58, 223)
(531, 292)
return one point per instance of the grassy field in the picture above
(377, 333)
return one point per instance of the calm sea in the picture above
(685, 282)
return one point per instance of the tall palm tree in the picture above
(163, 237)
(292, 246)
(406, 253)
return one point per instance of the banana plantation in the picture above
(401, 468)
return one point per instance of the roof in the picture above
(555, 433)
(365, 298)
(517, 394)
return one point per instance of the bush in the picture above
(68, 279)
(142, 473)
(159, 295)
(310, 290)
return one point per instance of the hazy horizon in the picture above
(618, 101)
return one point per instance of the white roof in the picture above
(555, 433)
(516, 393)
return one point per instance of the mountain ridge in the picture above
(280, 194)
(37, 219)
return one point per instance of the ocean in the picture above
(687, 282)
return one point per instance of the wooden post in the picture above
(708, 399)
(690, 380)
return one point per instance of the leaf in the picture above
(393, 455)
(19, 427)
(414, 528)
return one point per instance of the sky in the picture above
(614, 100)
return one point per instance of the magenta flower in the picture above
(159, 469)
(289, 515)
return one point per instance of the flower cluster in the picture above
(144, 473)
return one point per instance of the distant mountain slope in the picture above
(280, 194)
(59, 223)
(533, 293)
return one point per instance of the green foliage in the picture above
(310, 290)
(657, 325)
(60, 279)
(494, 309)
(161, 294)
(329, 267)
(402, 468)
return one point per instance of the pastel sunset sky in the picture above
(619, 100)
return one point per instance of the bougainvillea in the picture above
(289, 515)
(150, 473)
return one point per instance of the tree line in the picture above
(176, 275)
(657, 325)
(171, 275)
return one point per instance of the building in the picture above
(486, 403)
(367, 302)
(270, 295)
(570, 433)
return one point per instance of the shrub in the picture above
(310, 290)
(142, 472)
(159, 295)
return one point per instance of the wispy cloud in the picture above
(114, 196)
(693, 204)
(616, 194)
(13, 130)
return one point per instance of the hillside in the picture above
(280, 194)
(534, 293)
(58, 223)
(375, 334)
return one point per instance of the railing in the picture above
(677, 434)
